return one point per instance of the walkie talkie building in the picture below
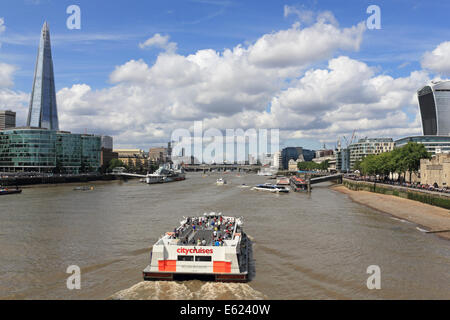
(434, 102)
(43, 112)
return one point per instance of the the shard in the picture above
(43, 112)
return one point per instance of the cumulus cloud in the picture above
(159, 41)
(6, 74)
(438, 60)
(272, 83)
(299, 47)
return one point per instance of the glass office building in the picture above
(28, 149)
(91, 151)
(68, 151)
(433, 144)
(41, 150)
(434, 103)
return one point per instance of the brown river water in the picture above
(314, 246)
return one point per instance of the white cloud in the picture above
(2, 25)
(6, 75)
(159, 41)
(297, 47)
(438, 60)
(233, 89)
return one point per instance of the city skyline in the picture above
(154, 81)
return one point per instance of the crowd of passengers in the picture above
(222, 230)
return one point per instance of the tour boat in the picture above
(271, 188)
(209, 247)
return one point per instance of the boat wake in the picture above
(188, 290)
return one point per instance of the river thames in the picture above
(315, 246)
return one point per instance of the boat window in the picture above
(202, 258)
(185, 258)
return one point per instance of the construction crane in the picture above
(348, 143)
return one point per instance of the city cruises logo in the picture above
(195, 250)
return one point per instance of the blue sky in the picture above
(112, 30)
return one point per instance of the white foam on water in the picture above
(421, 230)
(155, 290)
(228, 291)
(171, 290)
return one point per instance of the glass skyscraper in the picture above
(40, 146)
(434, 102)
(43, 112)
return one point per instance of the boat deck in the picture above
(205, 231)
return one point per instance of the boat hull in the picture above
(172, 276)
(6, 192)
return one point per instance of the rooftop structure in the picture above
(7, 119)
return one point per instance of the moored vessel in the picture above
(6, 191)
(283, 181)
(211, 247)
(298, 184)
(164, 174)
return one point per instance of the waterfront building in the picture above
(293, 165)
(308, 155)
(131, 157)
(367, 146)
(290, 153)
(436, 170)
(7, 119)
(277, 160)
(107, 153)
(68, 152)
(343, 160)
(324, 155)
(31, 149)
(434, 104)
(90, 151)
(158, 155)
(43, 111)
(433, 144)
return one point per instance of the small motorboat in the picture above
(84, 188)
(221, 182)
(5, 191)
